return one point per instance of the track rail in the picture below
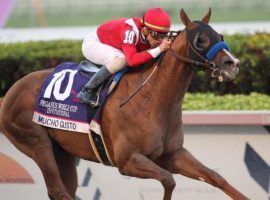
(226, 118)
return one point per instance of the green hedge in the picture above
(210, 101)
(19, 59)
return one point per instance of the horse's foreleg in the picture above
(183, 162)
(139, 166)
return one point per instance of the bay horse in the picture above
(144, 137)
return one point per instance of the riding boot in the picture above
(88, 94)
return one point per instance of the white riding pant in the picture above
(103, 54)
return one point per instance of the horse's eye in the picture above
(201, 41)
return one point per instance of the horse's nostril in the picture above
(228, 63)
(231, 63)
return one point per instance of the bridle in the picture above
(209, 65)
(206, 64)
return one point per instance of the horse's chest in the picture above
(156, 153)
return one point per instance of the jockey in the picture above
(124, 42)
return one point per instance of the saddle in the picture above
(88, 67)
(57, 105)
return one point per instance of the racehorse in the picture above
(144, 137)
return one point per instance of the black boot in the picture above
(88, 94)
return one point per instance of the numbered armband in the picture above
(129, 37)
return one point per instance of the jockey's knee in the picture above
(116, 64)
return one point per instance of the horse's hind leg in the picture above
(183, 162)
(36, 143)
(137, 165)
(67, 166)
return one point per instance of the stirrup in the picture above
(89, 97)
(94, 104)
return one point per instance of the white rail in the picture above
(226, 118)
(26, 34)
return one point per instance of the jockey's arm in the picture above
(135, 58)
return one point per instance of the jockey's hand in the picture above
(165, 44)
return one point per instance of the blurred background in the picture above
(43, 13)
(67, 19)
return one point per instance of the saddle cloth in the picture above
(57, 105)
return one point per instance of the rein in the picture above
(143, 83)
(211, 66)
(208, 65)
(171, 35)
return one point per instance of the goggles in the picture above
(158, 35)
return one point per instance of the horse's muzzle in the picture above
(230, 68)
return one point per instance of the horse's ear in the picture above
(206, 18)
(184, 18)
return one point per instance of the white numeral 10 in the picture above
(55, 85)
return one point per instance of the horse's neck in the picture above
(173, 77)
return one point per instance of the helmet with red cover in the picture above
(157, 19)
